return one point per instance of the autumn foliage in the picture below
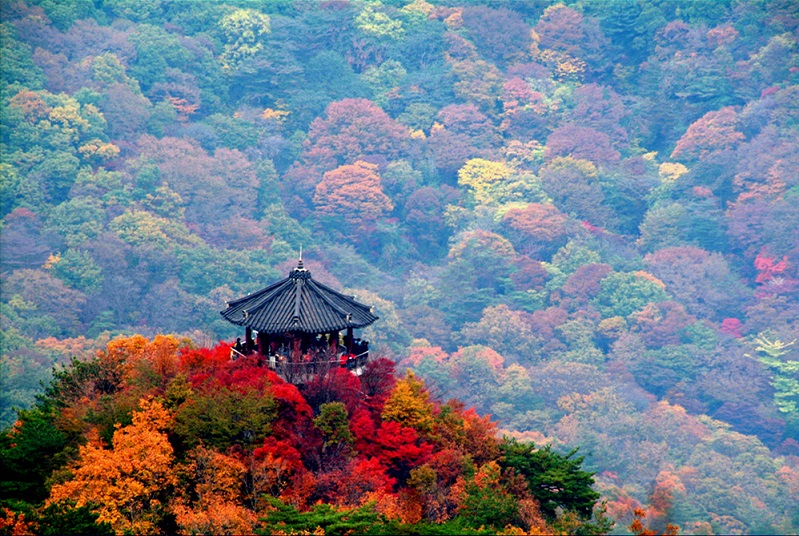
(201, 443)
(577, 217)
(353, 193)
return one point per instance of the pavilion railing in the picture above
(312, 363)
(304, 370)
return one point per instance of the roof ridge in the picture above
(330, 302)
(261, 298)
(348, 297)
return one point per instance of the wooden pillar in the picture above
(248, 340)
(263, 347)
(350, 340)
(296, 352)
(332, 342)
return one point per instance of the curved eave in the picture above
(298, 305)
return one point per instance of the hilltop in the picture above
(155, 436)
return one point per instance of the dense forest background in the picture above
(580, 218)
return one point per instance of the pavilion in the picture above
(296, 325)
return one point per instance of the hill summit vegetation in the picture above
(158, 437)
(577, 217)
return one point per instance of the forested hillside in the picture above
(581, 218)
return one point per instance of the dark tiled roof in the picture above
(298, 304)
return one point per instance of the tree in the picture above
(756, 223)
(500, 35)
(585, 283)
(553, 479)
(220, 417)
(663, 226)
(488, 254)
(362, 479)
(506, 331)
(581, 142)
(400, 449)
(537, 229)
(212, 187)
(712, 133)
(212, 502)
(353, 129)
(245, 31)
(378, 380)
(466, 133)
(332, 421)
(64, 518)
(24, 244)
(483, 177)
(772, 275)
(762, 163)
(385, 81)
(16, 192)
(44, 297)
(478, 83)
(35, 436)
(601, 108)
(487, 500)
(574, 186)
(621, 294)
(637, 527)
(478, 371)
(786, 376)
(661, 323)
(517, 390)
(353, 193)
(560, 28)
(77, 220)
(379, 25)
(131, 482)
(140, 228)
(283, 517)
(530, 275)
(409, 404)
(525, 111)
(18, 65)
(703, 282)
(78, 269)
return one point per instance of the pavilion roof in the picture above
(298, 304)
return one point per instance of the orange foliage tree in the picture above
(130, 481)
(537, 228)
(351, 129)
(216, 481)
(353, 192)
(712, 133)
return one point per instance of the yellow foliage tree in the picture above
(98, 151)
(130, 482)
(669, 172)
(483, 177)
(244, 31)
(138, 227)
(409, 404)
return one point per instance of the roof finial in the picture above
(299, 263)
